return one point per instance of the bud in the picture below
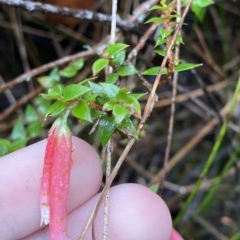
(55, 179)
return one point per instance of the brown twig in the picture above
(70, 12)
(133, 54)
(171, 120)
(20, 103)
(28, 75)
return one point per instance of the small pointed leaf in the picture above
(82, 111)
(34, 129)
(56, 108)
(134, 106)
(127, 70)
(17, 144)
(73, 91)
(30, 114)
(78, 64)
(112, 78)
(160, 41)
(54, 75)
(4, 146)
(155, 19)
(138, 95)
(96, 88)
(119, 113)
(162, 8)
(18, 132)
(186, 66)
(110, 89)
(99, 65)
(69, 72)
(154, 71)
(46, 81)
(164, 33)
(108, 106)
(114, 49)
(161, 52)
(107, 126)
(128, 128)
(119, 58)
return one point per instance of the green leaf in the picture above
(155, 19)
(199, 7)
(162, 8)
(4, 147)
(82, 111)
(202, 3)
(114, 49)
(78, 64)
(119, 113)
(56, 108)
(179, 39)
(186, 66)
(108, 106)
(160, 41)
(96, 88)
(172, 16)
(112, 78)
(17, 144)
(199, 12)
(164, 33)
(154, 71)
(137, 95)
(18, 132)
(161, 52)
(177, 68)
(154, 188)
(128, 128)
(42, 106)
(127, 70)
(119, 58)
(54, 75)
(69, 72)
(51, 80)
(107, 126)
(34, 129)
(134, 106)
(95, 113)
(73, 91)
(99, 65)
(53, 93)
(46, 81)
(30, 114)
(110, 89)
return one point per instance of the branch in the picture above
(69, 12)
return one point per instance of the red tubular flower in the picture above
(55, 180)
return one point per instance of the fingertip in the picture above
(135, 213)
(175, 235)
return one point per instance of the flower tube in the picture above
(55, 180)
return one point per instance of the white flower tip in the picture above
(45, 213)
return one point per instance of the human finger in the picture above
(135, 213)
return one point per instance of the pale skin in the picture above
(134, 212)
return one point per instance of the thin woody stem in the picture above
(171, 121)
(70, 12)
(109, 145)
